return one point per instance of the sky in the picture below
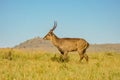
(97, 21)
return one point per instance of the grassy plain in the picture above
(37, 65)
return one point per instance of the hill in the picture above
(37, 43)
(45, 45)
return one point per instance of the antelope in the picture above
(65, 45)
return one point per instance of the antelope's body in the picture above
(65, 45)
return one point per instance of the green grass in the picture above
(38, 65)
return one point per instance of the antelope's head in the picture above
(50, 34)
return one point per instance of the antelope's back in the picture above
(72, 41)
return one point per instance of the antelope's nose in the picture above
(44, 38)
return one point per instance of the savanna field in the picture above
(18, 64)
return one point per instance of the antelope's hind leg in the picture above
(86, 57)
(81, 55)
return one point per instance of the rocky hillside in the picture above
(39, 43)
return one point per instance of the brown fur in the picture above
(65, 45)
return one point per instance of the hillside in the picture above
(39, 43)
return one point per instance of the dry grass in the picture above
(37, 65)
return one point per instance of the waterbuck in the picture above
(65, 45)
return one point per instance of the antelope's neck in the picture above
(55, 40)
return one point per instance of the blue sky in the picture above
(97, 21)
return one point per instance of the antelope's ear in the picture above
(55, 25)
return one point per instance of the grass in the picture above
(37, 65)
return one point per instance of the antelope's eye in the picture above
(48, 34)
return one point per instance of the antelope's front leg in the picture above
(65, 55)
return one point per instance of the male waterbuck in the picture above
(65, 45)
